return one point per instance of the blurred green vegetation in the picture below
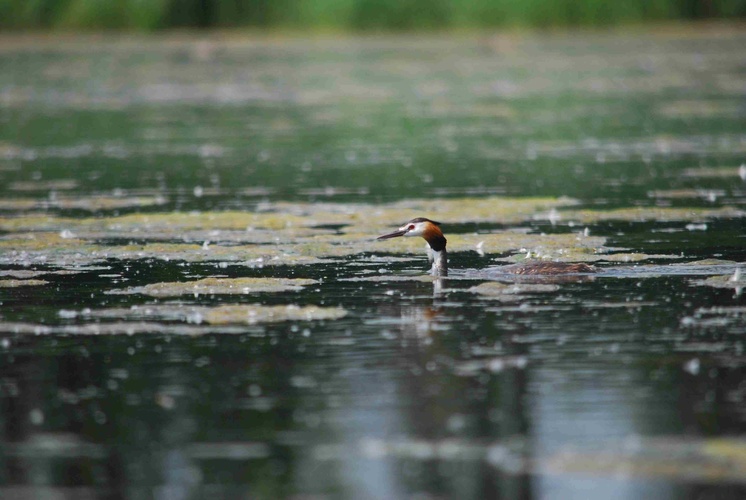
(354, 15)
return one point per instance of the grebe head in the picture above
(416, 227)
(430, 231)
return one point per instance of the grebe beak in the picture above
(398, 232)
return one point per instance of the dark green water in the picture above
(626, 385)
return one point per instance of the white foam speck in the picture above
(692, 366)
(36, 416)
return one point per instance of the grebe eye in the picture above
(411, 227)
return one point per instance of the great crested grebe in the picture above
(438, 255)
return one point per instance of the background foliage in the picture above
(351, 15)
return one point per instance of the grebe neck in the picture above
(439, 258)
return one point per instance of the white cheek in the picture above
(417, 231)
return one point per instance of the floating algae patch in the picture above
(19, 204)
(710, 461)
(218, 286)
(88, 203)
(40, 241)
(706, 194)
(179, 221)
(299, 233)
(448, 210)
(68, 248)
(233, 314)
(290, 247)
(716, 172)
(555, 244)
(116, 328)
(37, 222)
(736, 281)
(573, 255)
(169, 222)
(24, 274)
(704, 460)
(718, 264)
(202, 236)
(495, 364)
(42, 185)
(291, 217)
(613, 149)
(15, 283)
(659, 214)
(251, 255)
(701, 109)
(52, 249)
(284, 216)
(48, 249)
(730, 310)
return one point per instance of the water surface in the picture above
(194, 304)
